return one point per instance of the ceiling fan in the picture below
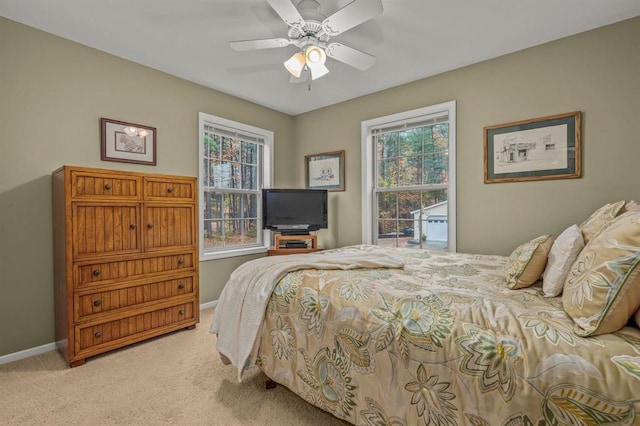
(310, 31)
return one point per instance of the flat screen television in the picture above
(294, 211)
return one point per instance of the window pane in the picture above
(387, 229)
(433, 223)
(410, 142)
(230, 149)
(436, 138)
(220, 174)
(233, 206)
(250, 231)
(436, 168)
(213, 237)
(249, 177)
(233, 232)
(211, 146)
(249, 153)
(421, 221)
(212, 205)
(395, 233)
(250, 206)
(410, 171)
(387, 146)
(387, 205)
(387, 173)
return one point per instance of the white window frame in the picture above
(266, 168)
(369, 207)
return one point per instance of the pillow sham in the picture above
(564, 252)
(602, 291)
(599, 219)
(526, 263)
(629, 207)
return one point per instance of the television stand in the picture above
(290, 232)
(293, 244)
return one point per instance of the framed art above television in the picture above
(325, 171)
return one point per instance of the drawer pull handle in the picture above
(150, 225)
(181, 312)
(181, 286)
(107, 187)
(97, 335)
(180, 261)
(170, 190)
(133, 226)
(96, 273)
(97, 302)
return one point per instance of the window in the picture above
(235, 164)
(408, 181)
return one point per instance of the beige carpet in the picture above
(176, 379)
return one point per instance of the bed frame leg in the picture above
(270, 384)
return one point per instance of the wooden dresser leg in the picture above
(191, 327)
(77, 363)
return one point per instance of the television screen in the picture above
(294, 211)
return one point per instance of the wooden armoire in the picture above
(125, 258)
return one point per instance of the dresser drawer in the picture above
(105, 186)
(174, 189)
(135, 327)
(92, 304)
(100, 273)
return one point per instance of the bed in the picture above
(434, 338)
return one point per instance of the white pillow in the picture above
(564, 252)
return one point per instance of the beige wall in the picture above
(597, 72)
(53, 93)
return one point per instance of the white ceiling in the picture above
(412, 39)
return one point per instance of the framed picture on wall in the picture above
(536, 149)
(127, 142)
(325, 171)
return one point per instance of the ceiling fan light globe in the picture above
(315, 55)
(317, 70)
(295, 64)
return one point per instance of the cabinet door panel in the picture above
(169, 226)
(105, 229)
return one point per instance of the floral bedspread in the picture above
(443, 342)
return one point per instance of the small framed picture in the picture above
(535, 149)
(325, 171)
(128, 142)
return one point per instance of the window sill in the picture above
(232, 253)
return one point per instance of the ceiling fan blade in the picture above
(287, 12)
(353, 14)
(267, 43)
(350, 56)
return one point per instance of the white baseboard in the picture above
(5, 359)
(208, 305)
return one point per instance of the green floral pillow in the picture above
(602, 291)
(527, 262)
(600, 219)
